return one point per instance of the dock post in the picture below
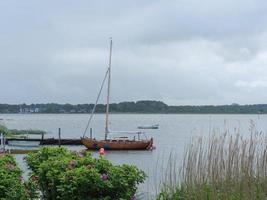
(2, 141)
(3, 146)
(91, 133)
(42, 136)
(59, 138)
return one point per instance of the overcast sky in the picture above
(184, 52)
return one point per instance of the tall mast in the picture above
(107, 108)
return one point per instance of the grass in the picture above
(18, 133)
(223, 167)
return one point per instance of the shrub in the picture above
(3, 129)
(11, 183)
(14, 133)
(64, 175)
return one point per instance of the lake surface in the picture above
(175, 131)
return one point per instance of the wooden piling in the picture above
(91, 133)
(59, 137)
(2, 141)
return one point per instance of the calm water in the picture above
(174, 133)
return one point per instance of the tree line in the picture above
(134, 107)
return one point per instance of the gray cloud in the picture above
(181, 52)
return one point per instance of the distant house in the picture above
(62, 111)
(29, 110)
(82, 111)
(25, 110)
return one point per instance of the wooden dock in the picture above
(47, 141)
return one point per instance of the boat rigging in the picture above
(120, 143)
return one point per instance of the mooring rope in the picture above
(93, 111)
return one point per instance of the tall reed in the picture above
(223, 166)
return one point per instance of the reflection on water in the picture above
(173, 134)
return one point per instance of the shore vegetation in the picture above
(60, 174)
(15, 133)
(222, 167)
(143, 106)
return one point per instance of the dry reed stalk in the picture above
(224, 166)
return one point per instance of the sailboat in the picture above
(139, 141)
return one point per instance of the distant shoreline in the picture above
(139, 107)
(133, 114)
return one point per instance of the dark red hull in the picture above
(117, 144)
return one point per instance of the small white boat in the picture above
(155, 126)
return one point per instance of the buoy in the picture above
(102, 151)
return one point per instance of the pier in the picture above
(47, 141)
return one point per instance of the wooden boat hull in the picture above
(117, 144)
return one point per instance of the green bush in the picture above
(12, 186)
(3, 129)
(64, 175)
(14, 133)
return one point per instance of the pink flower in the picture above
(71, 164)
(33, 178)
(10, 167)
(80, 154)
(104, 177)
